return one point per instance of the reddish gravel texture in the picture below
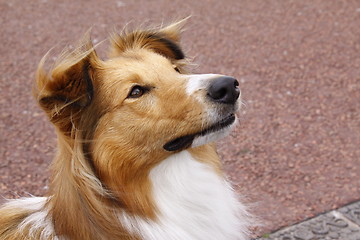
(296, 152)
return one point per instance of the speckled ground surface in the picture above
(296, 152)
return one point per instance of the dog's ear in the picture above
(165, 41)
(68, 89)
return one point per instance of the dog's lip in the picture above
(186, 141)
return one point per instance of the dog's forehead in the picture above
(140, 59)
(141, 66)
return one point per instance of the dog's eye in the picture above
(137, 91)
(177, 69)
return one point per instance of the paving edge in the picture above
(339, 224)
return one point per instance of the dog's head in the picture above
(139, 106)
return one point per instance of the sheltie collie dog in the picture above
(136, 158)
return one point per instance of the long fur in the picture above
(111, 176)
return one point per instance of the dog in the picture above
(136, 157)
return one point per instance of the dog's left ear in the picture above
(165, 41)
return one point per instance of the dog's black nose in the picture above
(224, 90)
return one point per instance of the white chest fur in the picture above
(194, 203)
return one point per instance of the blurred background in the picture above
(296, 152)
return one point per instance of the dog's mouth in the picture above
(186, 141)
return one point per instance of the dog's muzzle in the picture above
(221, 90)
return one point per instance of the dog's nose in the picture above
(224, 90)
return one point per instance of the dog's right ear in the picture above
(164, 41)
(68, 89)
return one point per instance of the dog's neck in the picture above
(194, 201)
(79, 205)
(188, 190)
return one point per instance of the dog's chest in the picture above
(194, 203)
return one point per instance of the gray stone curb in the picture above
(339, 224)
